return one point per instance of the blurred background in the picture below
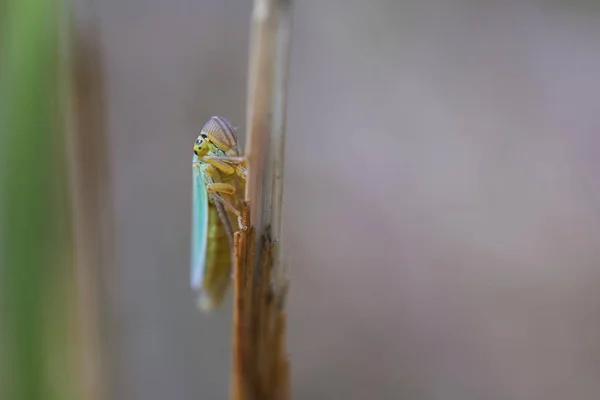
(441, 201)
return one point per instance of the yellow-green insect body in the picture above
(218, 184)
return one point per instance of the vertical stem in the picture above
(92, 206)
(260, 367)
(260, 99)
(282, 57)
(242, 256)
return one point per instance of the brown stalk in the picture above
(260, 368)
(92, 207)
(260, 365)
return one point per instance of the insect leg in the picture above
(240, 170)
(224, 164)
(219, 165)
(228, 159)
(224, 188)
(213, 185)
(216, 188)
(228, 206)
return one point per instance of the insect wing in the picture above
(212, 241)
(199, 225)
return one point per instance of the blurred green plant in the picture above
(37, 327)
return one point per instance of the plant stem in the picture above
(260, 366)
(92, 208)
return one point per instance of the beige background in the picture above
(441, 201)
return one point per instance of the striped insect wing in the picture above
(199, 234)
(221, 134)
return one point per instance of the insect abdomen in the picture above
(218, 262)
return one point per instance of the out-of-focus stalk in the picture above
(38, 331)
(92, 210)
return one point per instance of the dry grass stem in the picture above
(92, 207)
(260, 365)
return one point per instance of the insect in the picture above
(218, 181)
